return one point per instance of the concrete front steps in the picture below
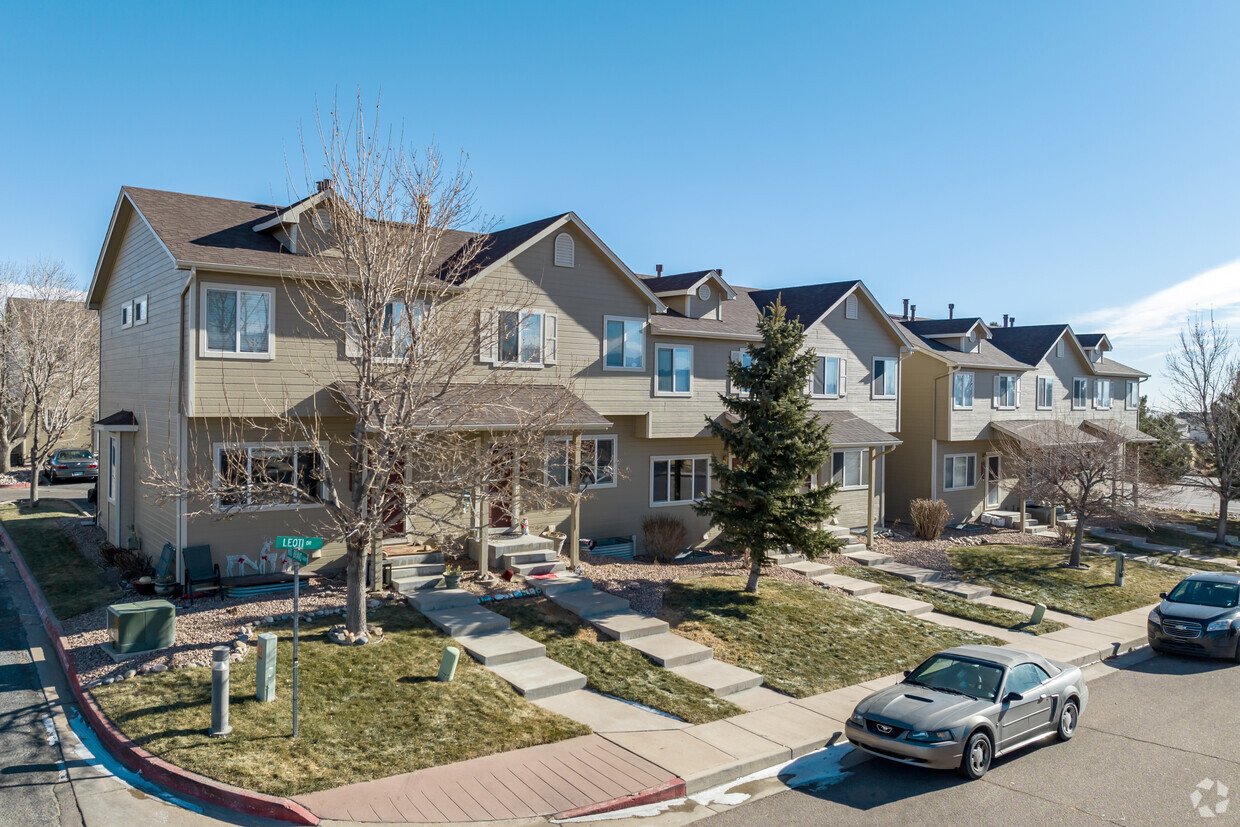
(934, 579)
(410, 572)
(486, 637)
(613, 618)
(862, 556)
(523, 554)
(914, 574)
(849, 585)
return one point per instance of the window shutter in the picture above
(1018, 381)
(564, 250)
(843, 376)
(850, 307)
(551, 325)
(488, 340)
(995, 395)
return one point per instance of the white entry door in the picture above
(992, 481)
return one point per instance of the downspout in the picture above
(182, 527)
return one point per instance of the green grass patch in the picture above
(1205, 522)
(1033, 574)
(610, 666)
(804, 639)
(72, 584)
(1167, 538)
(366, 712)
(1195, 545)
(949, 604)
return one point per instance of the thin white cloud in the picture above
(1145, 330)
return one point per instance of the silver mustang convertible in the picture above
(965, 706)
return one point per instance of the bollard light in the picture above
(219, 693)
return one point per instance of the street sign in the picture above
(299, 543)
(298, 556)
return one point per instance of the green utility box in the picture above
(134, 628)
(265, 664)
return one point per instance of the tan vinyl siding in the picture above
(138, 372)
(924, 386)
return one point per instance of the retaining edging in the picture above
(136, 758)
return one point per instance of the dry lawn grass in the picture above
(366, 712)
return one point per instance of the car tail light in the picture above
(93, 465)
(62, 467)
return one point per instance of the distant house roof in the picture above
(678, 281)
(1091, 339)
(1109, 367)
(987, 356)
(1118, 429)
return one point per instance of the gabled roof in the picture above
(987, 357)
(808, 302)
(686, 283)
(1093, 340)
(1031, 343)
(739, 320)
(201, 231)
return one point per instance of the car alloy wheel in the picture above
(1067, 721)
(977, 755)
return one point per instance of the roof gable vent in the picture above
(564, 250)
(850, 307)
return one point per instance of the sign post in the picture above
(297, 551)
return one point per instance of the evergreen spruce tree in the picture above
(775, 443)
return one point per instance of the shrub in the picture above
(132, 563)
(929, 518)
(1065, 534)
(664, 537)
(109, 552)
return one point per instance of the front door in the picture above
(992, 481)
(114, 490)
(499, 493)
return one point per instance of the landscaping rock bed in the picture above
(907, 548)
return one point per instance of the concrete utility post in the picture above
(574, 482)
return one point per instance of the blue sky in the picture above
(1057, 161)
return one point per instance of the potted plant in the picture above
(452, 577)
(556, 537)
(165, 585)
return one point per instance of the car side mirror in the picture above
(1011, 697)
(1163, 595)
(908, 672)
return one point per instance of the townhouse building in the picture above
(200, 334)
(970, 385)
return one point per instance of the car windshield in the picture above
(959, 675)
(73, 455)
(1206, 593)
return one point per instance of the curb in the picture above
(664, 792)
(134, 757)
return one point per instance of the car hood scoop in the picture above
(918, 708)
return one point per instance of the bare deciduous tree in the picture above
(55, 345)
(402, 356)
(1204, 373)
(14, 396)
(1059, 464)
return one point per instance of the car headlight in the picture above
(933, 736)
(1219, 626)
(858, 718)
(1155, 617)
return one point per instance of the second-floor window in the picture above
(1133, 397)
(521, 337)
(675, 370)
(742, 358)
(1007, 391)
(884, 384)
(1080, 394)
(962, 391)
(398, 332)
(1102, 394)
(1046, 393)
(624, 343)
(238, 321)
(828, 376)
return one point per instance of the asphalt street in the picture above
(76, 491)
(1152, 733)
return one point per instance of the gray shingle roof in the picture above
(740, 319)
(502, 406)
(1043, 431)
(1109, 367)
(678, 281)
(807, 302)
(1089, 339)
(942, 327)
(847, 429)
(987, 357)
(1120, 429)
(1028, 343)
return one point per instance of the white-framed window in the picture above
(624, 343)
(673, 370)
(237, 321)
(827, 380)
(962, 391)
(1080, 393)
(140, 306)
(1059, 347)
(850, 307)
(1046, 393)
(126, 315)
(678, 480)
(521, 337)
(959, 471)
(598, 455)
(884, 383)
(741, 357)
(1132, 397)
(850, 468)
(565, 250)
(269, 477)
(1007, 391)
(398, 334)
(1102, 394)
(114, 472)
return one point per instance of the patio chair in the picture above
(200, 572)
